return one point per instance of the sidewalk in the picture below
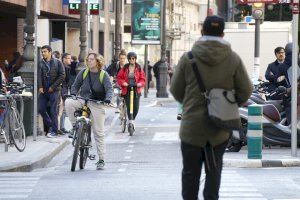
(274, 157)
(39, 153)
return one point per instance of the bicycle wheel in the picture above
(84, 150)
(124, 118)
(77, 138)
(17, 130)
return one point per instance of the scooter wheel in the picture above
(130, 129)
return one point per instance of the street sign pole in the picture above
(295, 74)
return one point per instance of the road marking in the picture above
(166, 136)
(124, 164)
(151, 105)
(131, 146)
(129, 150)
(17, 185)
(146, 128)
(152, 120)
(142, 131)
(132, 142)
(127, 157)
(122, 170)
(13, 196)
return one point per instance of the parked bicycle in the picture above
(12, 128)
(82, 133)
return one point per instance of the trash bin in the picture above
(28, 115)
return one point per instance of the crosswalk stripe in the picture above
(19, 179)
(232, 189)
(3, 185)
(19, 182)
(13, 196)
(166, 136)
(239, 198)
(240, 194)
(16, 191)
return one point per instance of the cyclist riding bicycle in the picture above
(115, 67)
(131, 75)
(92, 82)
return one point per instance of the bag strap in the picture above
(196, 71)
(101, 75)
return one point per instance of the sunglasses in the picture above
(132, 59)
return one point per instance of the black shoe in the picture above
(179, 116)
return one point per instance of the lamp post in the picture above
(163, 68)
(27, 71)
(118, 28)
(83, 35)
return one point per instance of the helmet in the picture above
(131, 55)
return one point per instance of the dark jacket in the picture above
(56, 74)
(113, 69)
(273, 67)
(219, 67)
(156, 68)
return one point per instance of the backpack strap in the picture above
(196, 71)
(101, 76)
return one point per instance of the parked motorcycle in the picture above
(275, 130)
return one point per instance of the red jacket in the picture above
(139, 75)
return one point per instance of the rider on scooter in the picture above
(131, 74)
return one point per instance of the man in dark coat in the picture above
(273, 71)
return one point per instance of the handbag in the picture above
(223, 110)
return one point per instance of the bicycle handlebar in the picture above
(91, 100)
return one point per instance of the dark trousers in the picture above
(193, 158)
(157, 83)
(50, 119)
(136, 105)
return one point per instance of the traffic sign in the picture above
(262, 1)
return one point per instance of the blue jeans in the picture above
(50, 119)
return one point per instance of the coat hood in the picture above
(211, 50)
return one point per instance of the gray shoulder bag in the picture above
(223, 109)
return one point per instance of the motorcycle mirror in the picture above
(280, 78)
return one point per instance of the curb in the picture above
(257, 163)
(41, 162)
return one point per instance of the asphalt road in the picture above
(146, 166)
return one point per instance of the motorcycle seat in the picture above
(271, 112)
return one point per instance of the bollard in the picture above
(255, 132)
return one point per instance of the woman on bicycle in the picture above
(131, 75)
(90, 85)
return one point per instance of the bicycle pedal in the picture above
(92, 157)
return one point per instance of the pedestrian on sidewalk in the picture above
(149, 68)
(73, 72)
(91, 86)
(66, 60)
(51, 74)
(201, 141)
(156, 74)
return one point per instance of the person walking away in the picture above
(73, 72)
(201, 141)
(273, 72)
(149, 67)
(131, 74)
(156, 74)
(66, 60)
(89, 84)
(51, 74)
